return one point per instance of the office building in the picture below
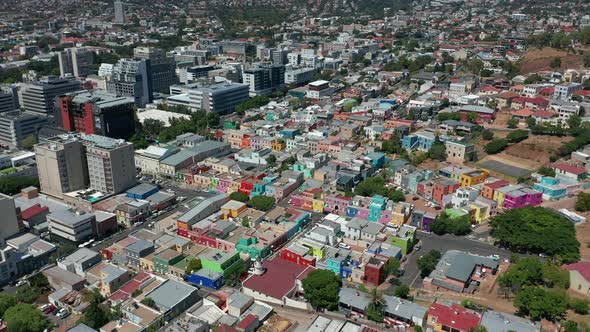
(73, 226)
(132, 78)
(219, 98)
(40, 96)
(9, 222)
(264, 79)
(8, 99)
(75, 62)
(234, 47)
(162, 67)
(97, 112)
(105, 69)
(119, 12)
(279, 56)
(61, 164)
(16, 126)
(111, 167)
(299, 76)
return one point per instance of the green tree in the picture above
(438, 151)
(392, 145)
(192, 266)
(546, 171)
(254, 102)
(525, 272)
(152, 127)
(29, 142)
(487, 135)
(374, 310)
(475, 66)
(574, 121)
(25, 318)
(27, 294)
(517, 136)
(239, 196)
(6, 301)
(96, 316)
(321, 288)
(537, 230)
(149, 302)
(12, 185)
(555, 276)
(531, 122)
(427, 263)
(391, 268)
(540, 303)
(555, 63)
(496, 146)
(444, 224)
(571, 326)
(583, 202)
(271, 160)
(39, 281)
(512, 123)
(376, 185)
(580, 306)
(262, 203)
(402, 291)
(480, 328)
(472, 117)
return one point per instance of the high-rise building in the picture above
(162, 67)
(61, 164)
(75, 61)
(132, 78)
(279, 56)
(119, 12)
(264, 79)
(111, 166)
(8, 222)
(219, 98)
(40, 96)
(8, 99)
(16, 126)
(97, 112)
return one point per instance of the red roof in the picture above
(226, 328)
(278, 280)
(569, 168)
(246, 322)
(582, 267)
(33, 211)
(543, 114)
(497, 184)
(524, 112)
(582, 93)
(454, 316)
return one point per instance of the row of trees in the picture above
(262, 203)
(17, 311)
(11, 185)
(444, 224)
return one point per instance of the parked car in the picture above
(21, 283)
(343, 245)
(62, 313)
(418, 247)
(49, 309)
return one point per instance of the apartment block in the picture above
(40, 96)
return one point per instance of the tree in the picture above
(25, 318)
(254, 102)
(6, 301)
(402, 291)
(487, 135)
(512, 123)
(583, 202)
(29, 142)
(262, 203)
(374, 310)
(438, 151)
(149, 302)
(571, 326)
(152, 127)
(546, 171)
(480, 328)
(39, 281)
(96, 316)
(392, 145)
(27, 294)
(555, 277)
(271, 160)
(538, 303)
(391, 268)
(555, 63)
(531, 122)
(574, 121)
(525, 272)
(376, 185)
(580, 306)
(321, 288)
(475, 66)
(13, 184)
(427, 263)
(537, 230)
(239, 196)
(472, 117)
(444, 224)
(193, 265)
(517, 136)
(496, 146)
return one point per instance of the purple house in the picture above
(522, 197)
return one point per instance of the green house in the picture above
(163, 260)
(405, 238)
(221, 262)
(252, 247)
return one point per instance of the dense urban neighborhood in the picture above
(274, 166)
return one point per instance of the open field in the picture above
(539, 59)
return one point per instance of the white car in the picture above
(62, 313)
(343, 245)
(21, 283)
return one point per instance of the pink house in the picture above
(336, 204)
(522, 197)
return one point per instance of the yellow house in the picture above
(500, 193)
(473, 178)
(232, 209)
(480, 212)
(278, 145)
(146, 263)
(316, 248)
(318, 205)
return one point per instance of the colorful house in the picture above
(473, 178)
(374, 270)
(404, 238)
(522, 197)
(251, 246)
(298, 254)
(222, 262)
(443, 188)
(164, 259)
(232, 209)
(557, 188)
(489, 188)
(454, 318)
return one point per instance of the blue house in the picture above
(422, 141)
(377, 159)
(289, 133)
(142, 191)
(557, 188)
(206, 278)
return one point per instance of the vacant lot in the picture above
(536, 60)
(530, 154)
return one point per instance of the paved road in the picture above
(442, 244)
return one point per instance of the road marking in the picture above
(415, 278)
